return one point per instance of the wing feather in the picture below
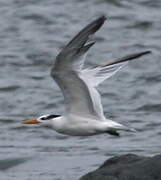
(67, 72)
(79, 85)
(71, 57)
(100, 73)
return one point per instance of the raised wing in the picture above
(72, 56)
(93, 77)
(100, 73)
(67, 72)
(79, 86)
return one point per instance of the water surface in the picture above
(31, 34)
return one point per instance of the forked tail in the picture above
(119, 127)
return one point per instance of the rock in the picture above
(6, 164)
(128, 167)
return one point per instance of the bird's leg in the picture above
(113, 132)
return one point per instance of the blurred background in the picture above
(32, 32)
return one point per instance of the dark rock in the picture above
(6, 164)
(128, 167)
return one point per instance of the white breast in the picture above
(78, 126)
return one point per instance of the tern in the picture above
(83, 115)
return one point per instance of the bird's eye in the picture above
(43, 118)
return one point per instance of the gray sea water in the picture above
(32, 32)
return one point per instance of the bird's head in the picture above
(45, 119)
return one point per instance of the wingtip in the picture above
(97, 23)
(100, 20)
(128, 57)
(147, 52)
(142, 53)
(82, 37)
(102, 17)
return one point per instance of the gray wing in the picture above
(100, 73)
(95, 76)
(79, 85)
(67, 72)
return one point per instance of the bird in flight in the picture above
(83, 115)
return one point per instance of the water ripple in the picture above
(150, 108)
(32, 33)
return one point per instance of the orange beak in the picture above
(33, 121)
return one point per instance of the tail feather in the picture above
(125, 128)
(114, 126)
(114, 132)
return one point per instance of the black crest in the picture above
(51, 116)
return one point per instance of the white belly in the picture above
(79, 126)
(79, 132)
